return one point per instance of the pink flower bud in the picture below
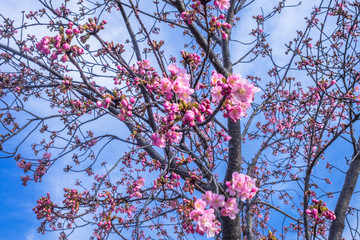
(57, 38)
(54, 56)
(80, 51)
(64, 58)
(66, 46)
(76, 31)
(68, 31)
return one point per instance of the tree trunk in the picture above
(338, 225)
(231, 228)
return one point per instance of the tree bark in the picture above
(249, 233)
(338, 225)
(231, 229)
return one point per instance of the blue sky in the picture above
(17, 220)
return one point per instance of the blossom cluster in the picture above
(176, 90)
(238, 93)
(134, 189)
(222, 4)
(24, 165)
(166, 135)
(178, 83)
(206, 220)
(241, 186)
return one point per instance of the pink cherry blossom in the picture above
(213, 230)
(222, 4)
(165, 85)
(216, 77)
(199, 204)
(217, 201)
(242, 91)
(216, 93)
(207, 197)
(242, 186)
(236, 112)
(196, 214)
(158, 140)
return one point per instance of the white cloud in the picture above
(30, 234)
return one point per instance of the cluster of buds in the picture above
(188, 16)
(66, 84)
(259, 19)
(215, 25)
(104, 225)
(222, 136)
(197, 112)
(120, 101)
(191, 112)
(168, 181)
(117, 49)
(125, 105)
(184, 211)
(60, 44)
(105, 103)
(134, 189)
(41, 170)
(78, 107)
(126, 108)
(320, 212)
(192, 59)
(44, 208)
(166, 134)
(72, 199)
(108, 200)
(91, 27)
(257, 31)
(24, 165)
(25, 179)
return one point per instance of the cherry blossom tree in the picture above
(173, 139)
